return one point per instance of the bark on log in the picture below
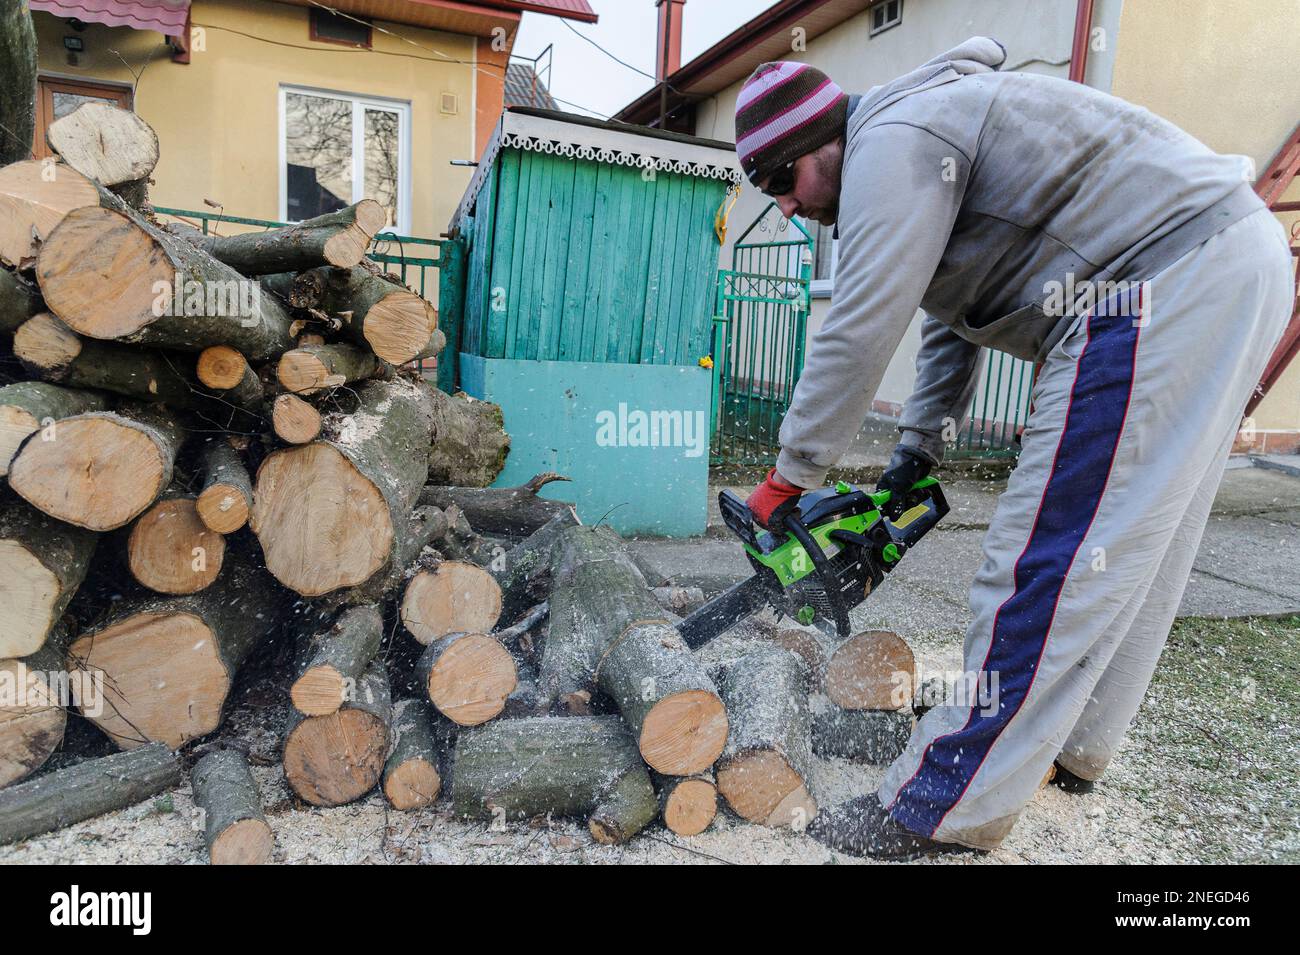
(525, 579)
(876, 737)
(35, 196)
(103, 469)
(512, 512)
(454, 597)
(336, 238)
(42, 563)
(688, 804)
(765, 772)
(171, 550)
(175, 296)
(88, 789)
(378, 313)
(227, 496)
(17, 82)
(112, 146)
(874, 670)
(332, 760)
(294, 420)
(607, 632)
(33, 714)
(19, 299)
(467, 676)
(469, 444)
(413, 774)
(517, 769)
(234, 828)
(228, 373)
(28, 406)
(52, 351)
(330, 514)
(168, 663)
(306, 371)
(331, 663)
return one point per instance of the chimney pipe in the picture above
(668, 44)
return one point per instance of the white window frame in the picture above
(359, 105)
(888, 24)
(822, 288)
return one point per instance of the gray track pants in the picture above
(1092, 543)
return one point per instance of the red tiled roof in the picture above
(165, 16)
(568, 9)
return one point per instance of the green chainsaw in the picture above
(835, 549)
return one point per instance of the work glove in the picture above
(905, 468)
(773, 500)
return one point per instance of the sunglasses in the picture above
(781, 181)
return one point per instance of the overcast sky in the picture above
(589, 80)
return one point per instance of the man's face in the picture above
(813, 182)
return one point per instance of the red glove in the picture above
(773, 500)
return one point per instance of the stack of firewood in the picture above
(215, 450)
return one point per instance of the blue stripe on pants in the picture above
(1094, 419)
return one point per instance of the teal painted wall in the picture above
(576, 260)
(644, 473)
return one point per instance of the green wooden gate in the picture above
(760, 329)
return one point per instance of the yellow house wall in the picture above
(217, 117)
(1225, 72)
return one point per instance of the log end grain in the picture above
(33, 202)
(684, 733)
(471, 679)
(412, 785)
(457, 597)
(874, 670)
(223, 508)
(320, 691)
(105, 143)
(399, 326)
(15, 425)
(45, 344)
(303, 372)
(246, 842)
(31, 721)
(221, 367)
(172, 550)
(762, 787)
(294, 420)
(691, 807)
(29, 593)
(348, 247)
(332, 760)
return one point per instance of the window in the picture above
(338, 149)
(56, 98)
(885, 15)
(328, 27)
(825, 253)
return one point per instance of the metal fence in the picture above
(412, 259)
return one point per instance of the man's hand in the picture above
(773, 500)
(906, 467)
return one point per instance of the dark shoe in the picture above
(862, 827)
(1075, 785)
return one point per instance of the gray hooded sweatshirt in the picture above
(967, 192)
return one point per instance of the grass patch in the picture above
(1214, 751)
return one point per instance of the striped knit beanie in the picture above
(785, 110)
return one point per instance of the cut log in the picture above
(455, 597)
(305, 371)
(17, 82)
(88, 789)
(425, 526)
(877, 737)
(377, 312)
(607, 632)
(517, 769)
(627, 807)
(227, 496)
(52, 351)
(28, 406)
(331, 663)
(102, 469)
(167, 664)
(765, 772)
(42, 563)
(332, 760)
(470, 443)
(19, 299)
(330, 514)
(113, 146)
(679, 600)
(35, 196)
(512, 512)
(810, 644)
(227, 372)
(874, 670)
(34, 694)
(421, 742)
(294, 420)
(174, 296)
(336, 238)
(234, 828)
(468, 677)
(525, 579)
(171, 550)
(688, 804)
